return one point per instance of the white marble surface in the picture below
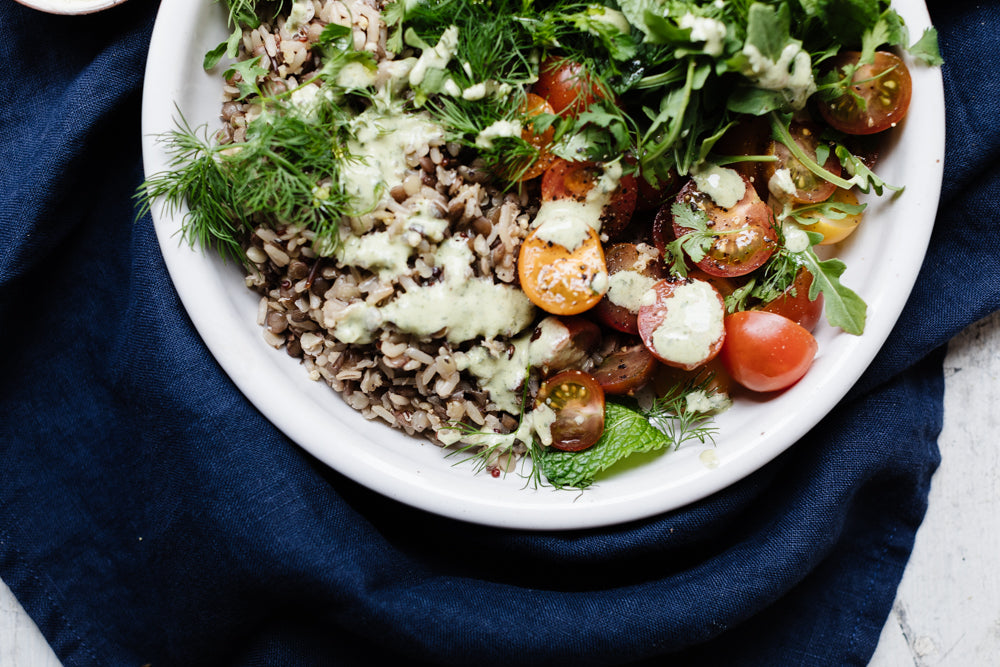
(947, 612)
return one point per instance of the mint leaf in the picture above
(626, 432)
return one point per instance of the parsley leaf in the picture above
(694, 243)
(926, 48)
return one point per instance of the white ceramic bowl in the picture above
(883, 259)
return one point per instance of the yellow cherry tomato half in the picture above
(833, 231)
(560, 280)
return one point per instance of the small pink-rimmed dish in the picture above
(70, 7)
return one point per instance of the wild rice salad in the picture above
(543, 228)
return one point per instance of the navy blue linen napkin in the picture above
(149, 514)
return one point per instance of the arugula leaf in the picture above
(830, 209)
(768, 29)
(861, 176)
(843, 307)
(888, 29)
(772, 59)
(844, 20)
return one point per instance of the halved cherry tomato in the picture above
(565, 342)
(766, 352)
(743, 237)
(749, 136)
(879, 95)
(575, 180)
(560, 280)
(794, 302)
(682, 326)
(630, 274)
(713, 374)
(578, 402)
(725, 286)
(567, 86)
(535, 105)
(833, 230)
(652, 195)
(626, 369)
(808, 187)
(662, 230)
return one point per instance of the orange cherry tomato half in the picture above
(766, 352)
(575, 180)
(567, 86)
(743, 236)
(884, 89)
(683, 325)
(560, 280)
(577, 400)
(794, 302)
(535, 105)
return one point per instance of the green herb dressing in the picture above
(692, 322)
(384, 136)
(725, 186)
(447, 305)
(626, 289)
(565, 221)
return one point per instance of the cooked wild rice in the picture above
(410, 382)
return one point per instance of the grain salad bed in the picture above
(411, 382)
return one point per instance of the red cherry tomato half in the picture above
(766, 352)
(683, 325)
(712, 374)
(575, 180)
(568, 341)
(809, 188)
(884, 89)
(653, 194)
(578, 402)
(743, 236)
(628, 271)
(626, 369)
(749, 136)
(567, 86)
(794, 302)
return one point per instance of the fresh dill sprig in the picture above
(280, 176)
(672, 415)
